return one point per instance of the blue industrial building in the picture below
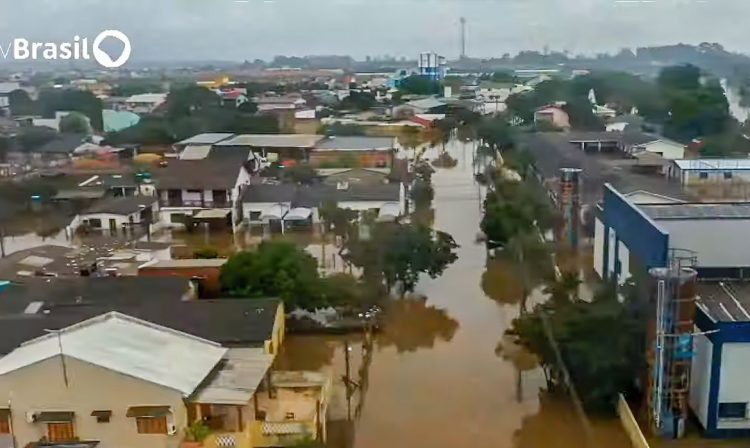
(635, 233)
(719, 385)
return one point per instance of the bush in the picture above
(206, 253)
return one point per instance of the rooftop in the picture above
(713, 164)
(62, 144)
(316, 194)
(129, 346)
(725, 301)
(236, 378)
(122, 205)
(147, 98)
(357, 144)
(426, 103)
(186, 263)
(208, 138)
(273, 140)
(697, 211)
(219, 173)
(60, 302)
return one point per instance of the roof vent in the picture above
(342, 185)
(33, 307)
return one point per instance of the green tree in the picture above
(22, 104)
(511, 209)
(360, 101)
(206, 253)
(496, 134)
(339, 220)
(148, 131)
(57, 100)
(248, 107)
(600, 343)
(276, 269)
(582, 115)
(32, 138)
(419, 85)
(300, 173)
(75, 123)
(398, 253)
(130, 87)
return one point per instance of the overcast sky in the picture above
(249, 29)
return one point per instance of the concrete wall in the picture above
(599, 247)
(40, 387)
(733, 382)
(718, 242)
(700, 377)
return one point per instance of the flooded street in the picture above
(441, 373)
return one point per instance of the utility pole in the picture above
(463, 37)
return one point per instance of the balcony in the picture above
(177, 202)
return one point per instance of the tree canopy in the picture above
(75, 123)
(419, 85)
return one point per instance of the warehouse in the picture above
(631, 237)
(719, 389)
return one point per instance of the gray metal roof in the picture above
(122, 205)
(725, 301)
(357, 144)
(273, 140)
(698, 211)
(208, 138)
(713, 164)
(129, 346)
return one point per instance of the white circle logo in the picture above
(103, 58)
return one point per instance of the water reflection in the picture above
(307, 353)
(412, 324)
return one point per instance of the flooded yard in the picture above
(441, 374)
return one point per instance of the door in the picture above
(112, 225)
(61, 432)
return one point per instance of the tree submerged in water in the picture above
(600, 341)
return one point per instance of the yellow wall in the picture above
(40, 387)
(279, 331)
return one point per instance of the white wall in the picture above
(693, 176)
(669, 151)
(188, 195)
(734, 386)
(612, 248)
(599, 247)
(700, 376)
(718, 242)
(623, 254)
(105, 217)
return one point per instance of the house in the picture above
(203, 141)
(145, 103)
(233, 97)
(630, 238)
(130, 382)
(429, 105)
(55, 153)
(707, 171)
(667, 149)
(119, 214)
(205, 272)
(719, 391)
(553, 114)
(281, 204)
(31, 306)
(620, 122)
(212, 185)
(284, 146)
(6, 88)
(285, 102)
(350, 152)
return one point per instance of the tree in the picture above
(130, 87)
(399, 253)
(680, 77)
(276, 269)
(248, 107)
(206, 253)
(496, 133)
(419, 85)
(582, 115)
(300, 173)
(56, 100)
(22, 104)
(600, 343)
(33, 138)
(148, 131)
(422, 192)
(531, 261)
(511, 209)
(360, 101)
(75, 123)
(339, 220)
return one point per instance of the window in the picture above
(102, 416)
(151, 425)
(4, 421)
(177, 218)
(61, 431)
(255, 216)
(703, 175)
(727, 174)
(733, 410)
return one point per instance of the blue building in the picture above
(719, 385)
(432, 66)
(639, 231)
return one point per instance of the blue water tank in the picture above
(4, 284)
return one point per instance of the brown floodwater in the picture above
(441, 373)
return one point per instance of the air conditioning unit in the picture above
(171, 429)
(30, 417)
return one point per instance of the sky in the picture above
(236, 30)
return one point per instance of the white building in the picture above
(119, 214)
(698, 171)
(145, 103)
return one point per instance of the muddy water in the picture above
(442, 374)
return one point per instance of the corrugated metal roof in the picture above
(697, 211)
(129, 346)
(357, 144)
(713, 164)
(207, 138)
(237, 378)
(274, 140)
(195, 152)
